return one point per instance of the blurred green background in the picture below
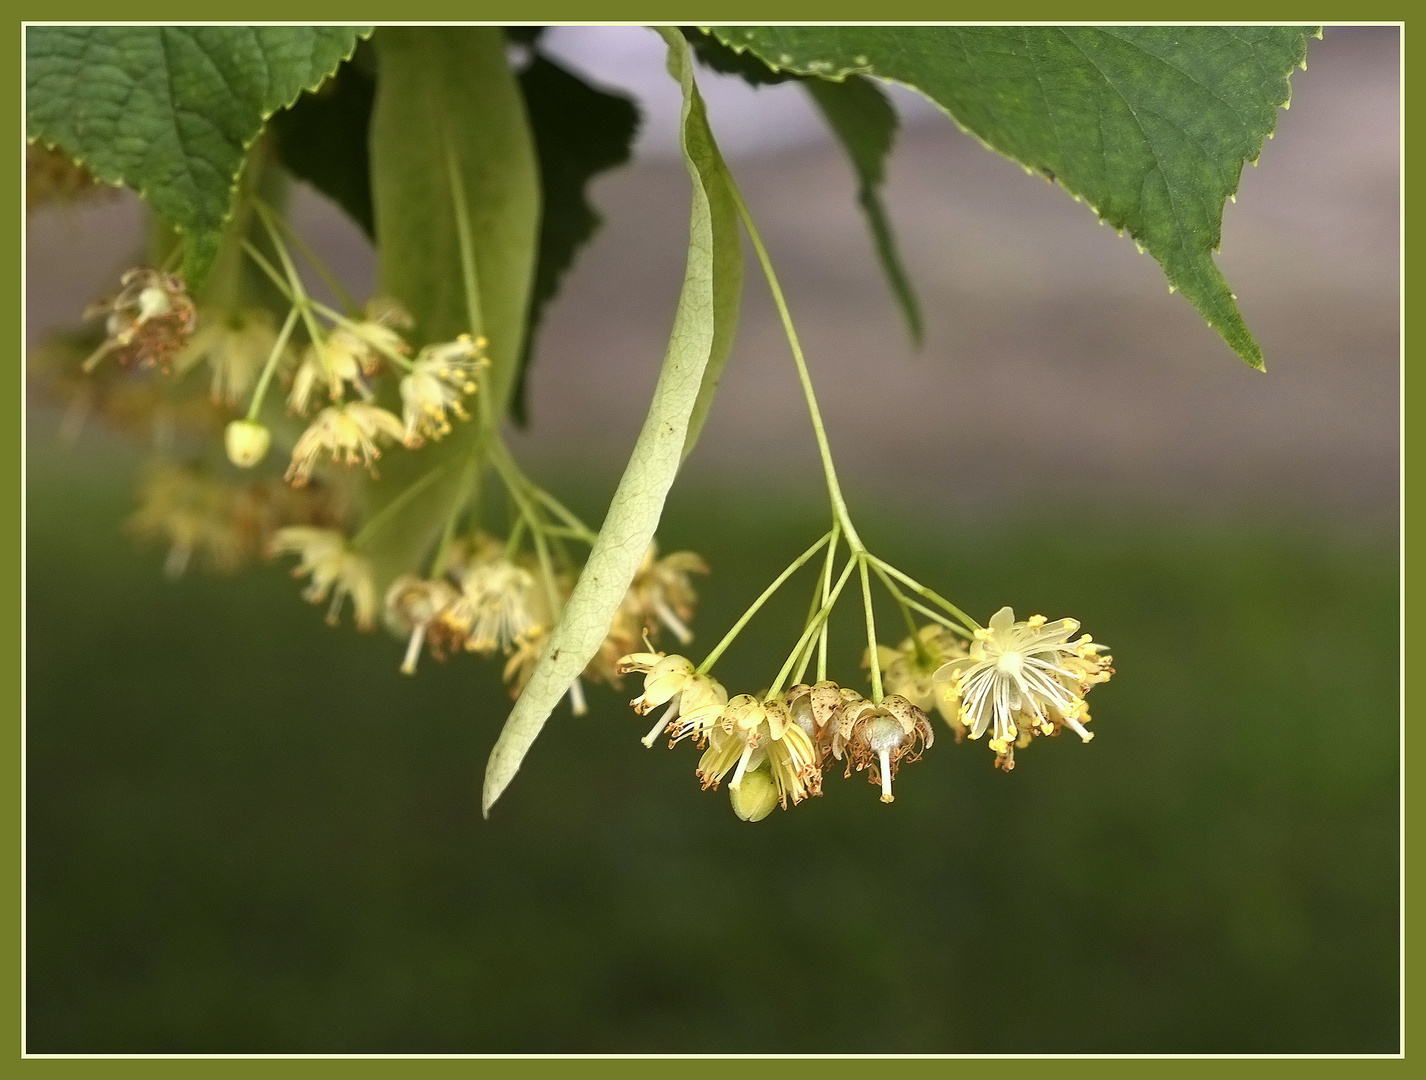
(248, 832)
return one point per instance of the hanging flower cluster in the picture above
(492, 577)
(1019, 680)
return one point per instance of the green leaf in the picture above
(441, 88)
(171, 110)
(1148, 125)
(579, 133)
(324, 139)
(862, 117)
(704, 303)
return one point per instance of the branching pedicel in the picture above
(1015, 680)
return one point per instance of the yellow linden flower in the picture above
(880, 737)
(147, 323)
(440, 377)
(751, 732)
(236, 347)
(661, 589)
(1022, 679)
(350, 433)
(910, 672)
(413, 606)
(193, 512)
(499, 606)
(692, 710)
(664, 676)
(335, 570)
(349, 355)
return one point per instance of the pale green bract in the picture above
(171, 110)
(1148, 125)
(449, 89)
(707, 310)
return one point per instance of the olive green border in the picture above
(557, 11)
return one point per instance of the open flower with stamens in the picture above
(1022, 679)
(750, 732)
(909, 670)
(499, 607)
(880, 738)
(664, 676)
(349, 355)
(336, 571)
(662, 591)
(413, 606)
(147, 323)
(193, 512)
(440, 377)
(692, 703)
(352, 434)
(236, 346)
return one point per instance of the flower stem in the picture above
(923, 654)
(306, 303)
(815, 626)
(827, 622)
(819, 597)
(275, 358)
(298, 293)
(969, 624)
(873, 660)
(338, 290)
(578, 529)
(392, 508)
(731, 635)
(936, 616)
(468, 491)
(834, 489)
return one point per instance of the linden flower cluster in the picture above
(345, 362)
(1016, 680)
(419, 553)
(491, 604)
(777, 746)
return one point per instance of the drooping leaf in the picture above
(449, 90)
(716, 56)
(171, 110)
(1148, 125)
(579, 133)
(324, 138)
(705, 302)
(864, 120)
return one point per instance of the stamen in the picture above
(413, 649)
(742, 767)
(672, 621)
(576, 698)
(177, 560)
(661, 723)
(1078, 728)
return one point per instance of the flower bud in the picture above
(247, 442)
(755, 797)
